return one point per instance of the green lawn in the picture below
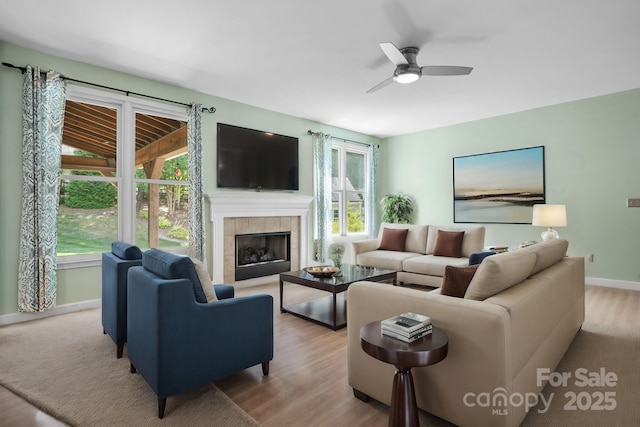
(87, 233)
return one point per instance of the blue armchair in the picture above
(115, 265)
(178, 341)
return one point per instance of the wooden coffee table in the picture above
(426, 351)
(330, 311)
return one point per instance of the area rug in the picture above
(596, 383)
(67, 367)
(584, 392)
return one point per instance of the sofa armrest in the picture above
(362, 246)
(224, 291)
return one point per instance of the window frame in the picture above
(343, 147)
(126, 109)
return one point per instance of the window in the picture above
(123, 175)
(349, 187)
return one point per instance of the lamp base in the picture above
(550, 234)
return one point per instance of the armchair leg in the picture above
(133, 369)
(162, 404)
(265, 368)
(119, 350)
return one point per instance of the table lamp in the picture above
(549, 216)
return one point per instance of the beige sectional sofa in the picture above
(417, 263)
(519, 314)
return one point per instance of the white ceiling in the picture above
(315, 59)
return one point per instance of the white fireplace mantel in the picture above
(232, 204)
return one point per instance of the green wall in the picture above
(85, 283)
(592, 157)
(592, 154)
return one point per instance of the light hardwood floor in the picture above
(15, 411)
(307, 384)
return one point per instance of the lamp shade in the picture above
(549, 215)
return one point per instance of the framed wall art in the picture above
(499, 187)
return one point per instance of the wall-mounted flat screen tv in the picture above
(249, 158)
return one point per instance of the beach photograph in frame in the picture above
(499, 187)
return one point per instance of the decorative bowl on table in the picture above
(322, 270)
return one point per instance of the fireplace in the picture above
(233, 213)
(262, 254)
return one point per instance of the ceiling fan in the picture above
(408, 71)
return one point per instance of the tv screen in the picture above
(250, 158)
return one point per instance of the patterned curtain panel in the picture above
(43, 101)
(372, 204)
(196, 193)
(322, 181)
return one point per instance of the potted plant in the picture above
(336, 250)
(397, 208)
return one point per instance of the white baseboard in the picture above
(612, 283)
(7, 319)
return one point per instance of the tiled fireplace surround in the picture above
(234, 213)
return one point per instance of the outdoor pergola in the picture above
(93, 129)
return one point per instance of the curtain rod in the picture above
(127, 92)
(310, 132)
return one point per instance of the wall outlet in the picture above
(633, 203)
(590, 258)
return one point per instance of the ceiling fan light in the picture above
(408, 77)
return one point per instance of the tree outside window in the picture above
(349, 188)
(117, 185)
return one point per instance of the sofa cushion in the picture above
(457, 279)
(391, 260)
(473, 240)
(393, 239)
(172, 266)
(449, 243)
(499, 272)
(125, 250)
(205, 280)
(416, 236)
(548, 253)
(431, 265)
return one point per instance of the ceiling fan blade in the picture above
(381, 85)
(445, 70)
(403, 23)
(393, 53)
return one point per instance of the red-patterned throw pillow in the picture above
(393, 239)
(449, 244)
(456, 280)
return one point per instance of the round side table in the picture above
(425, 351)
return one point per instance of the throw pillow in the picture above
(393, 239)
(456, 280)
(205, 280)
(449, 244)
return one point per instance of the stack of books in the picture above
(407, 327)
